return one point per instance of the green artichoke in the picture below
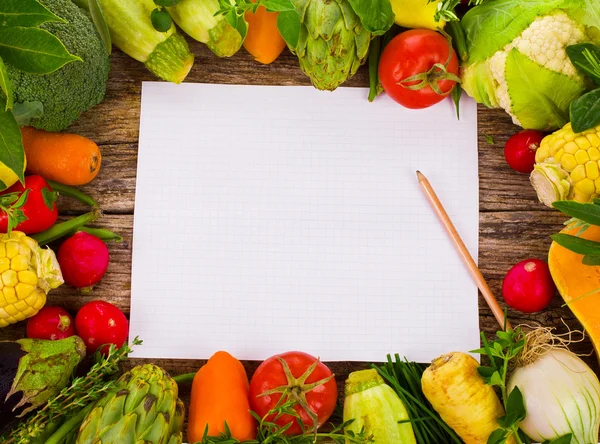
(143, 408)
(332, 44)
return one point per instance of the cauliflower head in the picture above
(518, 59)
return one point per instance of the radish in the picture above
(528, 286)
(99, 323)
(51, 323)
(83, 259)
(520, 149)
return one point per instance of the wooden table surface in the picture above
(513, 225)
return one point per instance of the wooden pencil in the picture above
(463, 252)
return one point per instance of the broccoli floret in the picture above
(77, 86)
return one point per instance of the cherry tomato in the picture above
(520, 149)
(99, 323)
(315, 406)
(414, 53)
(51, 323)
(528, 286)
(38, 211)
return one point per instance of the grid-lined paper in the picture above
(270, 219)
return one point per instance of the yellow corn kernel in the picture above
(21, 306)
(12, 249)
(583, 143)
(585, 187)
(24, 290)
(578, 173)
(581, 157)
(19, 263)
(10, 295)
(29, 312)
(569, 136)
(28, 277)
(32, 299)
(11, 310)
(568, 162)
(543, 152)
(592, 171)
(40, 301)
(594, 153)
(2, 299)
(556, 144)
(2, 250)
(571, 147)
(3, 323)
(593, 139)
(9, 277)
(4, 264)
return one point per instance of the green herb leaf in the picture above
(49, 197)
(498, 436)
(586, 58)
(100, 23)
(11, 143)
(27, 111)
(577, 244)
(289, 24)
(591, 260)
(495, 379)
(489, 139)
(562, 440)
(15, 212)
(33, 50)
(6, 86)
(585, 111)
(589, 213)
(515, 405)
(29, 13)
(277, 5)
(376, 16)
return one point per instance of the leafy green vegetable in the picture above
(586, 58)
(500, 353)
(28, 13)
(100, 23)
(585, 111)
(288, 23)
(6, 86)
(446, 9)
(33, 50)
(577, 244)
(376, 15)
(11, 143)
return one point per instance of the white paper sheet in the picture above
(270, 219)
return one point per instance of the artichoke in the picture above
(143, 408)
(332, 44)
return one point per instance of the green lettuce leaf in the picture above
(540, 97)
(11, 143)
(492, 25)
(376, 16)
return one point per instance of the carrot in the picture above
(220, 395)
(263, 41)
(64, 158)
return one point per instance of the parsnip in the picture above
(461, 397)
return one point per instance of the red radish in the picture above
(99, 323)
(51, 323)
(520, 149)
(83, 259)
(528, 286)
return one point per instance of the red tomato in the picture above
(51, 323)
(271, 377)
(414, 53)
(99, 323)
(39, 210)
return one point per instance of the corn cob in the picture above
(568, 166)
(27, 274)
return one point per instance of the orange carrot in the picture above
(220, 394)
(64, 158)
(263, 40)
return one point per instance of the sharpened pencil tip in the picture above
(420, 175)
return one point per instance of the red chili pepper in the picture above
(30, 208)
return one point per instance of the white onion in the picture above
(561, 395)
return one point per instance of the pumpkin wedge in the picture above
(577, 282)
